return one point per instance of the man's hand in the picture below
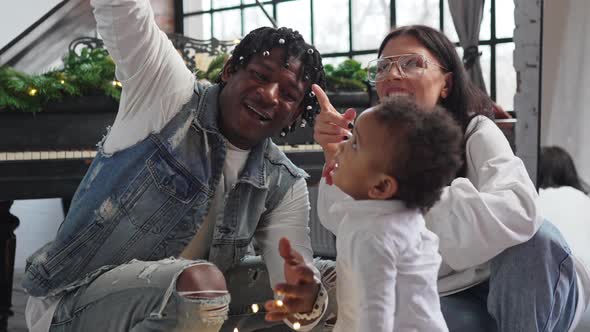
(300, 289)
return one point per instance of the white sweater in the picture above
(479, 216)
(387, 266)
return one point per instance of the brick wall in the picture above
(527, 62)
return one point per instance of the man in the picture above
(184, 181)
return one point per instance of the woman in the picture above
(563, 200)
(504, 269)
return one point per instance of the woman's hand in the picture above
(300, 289)
(499, 112)
(331, 127)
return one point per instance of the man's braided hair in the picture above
(264, 39)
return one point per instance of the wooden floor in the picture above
(17, 323)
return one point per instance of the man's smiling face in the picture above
(261, 98)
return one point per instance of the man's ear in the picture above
(227, 71)
(385, 187)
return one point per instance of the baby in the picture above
(387, 175)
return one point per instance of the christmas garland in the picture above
(93, 72)
(90, 72)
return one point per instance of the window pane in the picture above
(225, 3)
(331, 25)
(448, 24)
(504, 18)
(417, 12)
(226, 24)
(364, 59)
(459, 51)
(297, 16)
(334, 60)
(370, 19)
(505, 75)
(486, 61)
(195, 5)
(486, 22)
(198, 26)
(247, 2)
(254, 18)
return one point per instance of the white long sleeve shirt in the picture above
(156, 84)
(479, 216)
(387, 266)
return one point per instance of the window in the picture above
(354, 28)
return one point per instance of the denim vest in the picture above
(149, 200)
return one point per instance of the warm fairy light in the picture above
(236, 329)
(33, 92)
(255, 308)
(62, 82)
(117, 83)
(279, 303)
(296, 326)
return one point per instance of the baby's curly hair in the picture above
(427, 146)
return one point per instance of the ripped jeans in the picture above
(142, 296)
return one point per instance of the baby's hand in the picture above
(300, 289)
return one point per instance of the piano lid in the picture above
(42, 45)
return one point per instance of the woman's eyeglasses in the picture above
(407, 65)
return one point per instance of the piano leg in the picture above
(8, 223)
(65, 204)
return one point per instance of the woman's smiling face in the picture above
(426, 89)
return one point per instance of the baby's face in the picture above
(363, 157)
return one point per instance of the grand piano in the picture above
(46, 154)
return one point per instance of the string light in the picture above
(296, 326)
(236, 329)
(279, 303)
(117, 83)
(62, 82)
(32, 92)
(255, 308)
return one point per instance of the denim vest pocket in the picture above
(172, 179)
(71, 255)
(162, 190)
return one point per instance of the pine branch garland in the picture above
(93, 70)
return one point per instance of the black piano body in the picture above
(46, 155)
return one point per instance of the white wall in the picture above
(565, 117)
(16, 16)
(39, 221)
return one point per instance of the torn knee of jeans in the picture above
(210, 311)
(201, 281)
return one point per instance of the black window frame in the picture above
(493, 41)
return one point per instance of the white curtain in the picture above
(565, 113)
(467, 16)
